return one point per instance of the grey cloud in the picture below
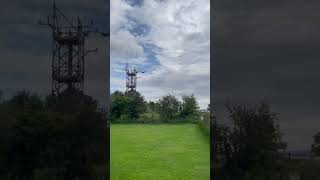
(268, 50)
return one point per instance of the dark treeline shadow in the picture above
(252, 147)
(52, 138)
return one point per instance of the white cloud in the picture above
(125, 46)
(181, 29)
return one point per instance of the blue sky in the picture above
(167, 39)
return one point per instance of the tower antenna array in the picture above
(131, 79)
(68, 51)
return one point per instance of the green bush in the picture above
(204, 123)
(127, 107)
(125, 118)
(169, 108)
(251, 148)
(130, 107)
(149, 118)
(41, 138)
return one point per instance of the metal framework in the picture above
(131, 80)
(68, 51)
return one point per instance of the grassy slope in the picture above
(154, 152)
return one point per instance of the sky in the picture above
(169, 40)
(269, 50)
(25, 46)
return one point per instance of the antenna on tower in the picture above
(131, 79)
(68, 51)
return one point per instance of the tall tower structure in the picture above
(131, 79)
(68, 53)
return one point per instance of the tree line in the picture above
(251, 147)
(65, 137)
(51, 138)
(131, 107)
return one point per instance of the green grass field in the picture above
(154, 152)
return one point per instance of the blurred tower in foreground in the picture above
(68, 51)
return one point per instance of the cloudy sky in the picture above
(169, 39)
(269, 50)
(264, 50)
(25, 46)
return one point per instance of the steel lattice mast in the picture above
(131, 79)
(68, 51)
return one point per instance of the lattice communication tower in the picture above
(131, 79)
(68, 53)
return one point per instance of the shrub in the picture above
(149, 118)
(315, 148)
(41, 137)
(253, 144)
(127, 107)
(189, 108)
(125, 118)
(169, 108)
(204, 123)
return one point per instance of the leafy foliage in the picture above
(66, 133)
(131, 107)
(253, 144)
(204, 122)
(127, 106)
(118, 105)
(189, 107)
(154, 107)
(136, 104)
(169, 108)
(315, 148)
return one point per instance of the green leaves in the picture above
(127, 107)
(253, 142)
(315, 147)
(131, 107)
(52, 133)
(169, 108)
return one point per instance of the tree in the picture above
(7, 123)
(315, 148)
(26, 100)
(254, 141)
(127, 106)
(136, 105)
(189, 108)
(70, 102)
(27, 150)
(169, 108)
(119, 104)
(66, 133)
(1, 95)
(80, 134)
(153, 106)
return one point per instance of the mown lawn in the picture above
(159, 151)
